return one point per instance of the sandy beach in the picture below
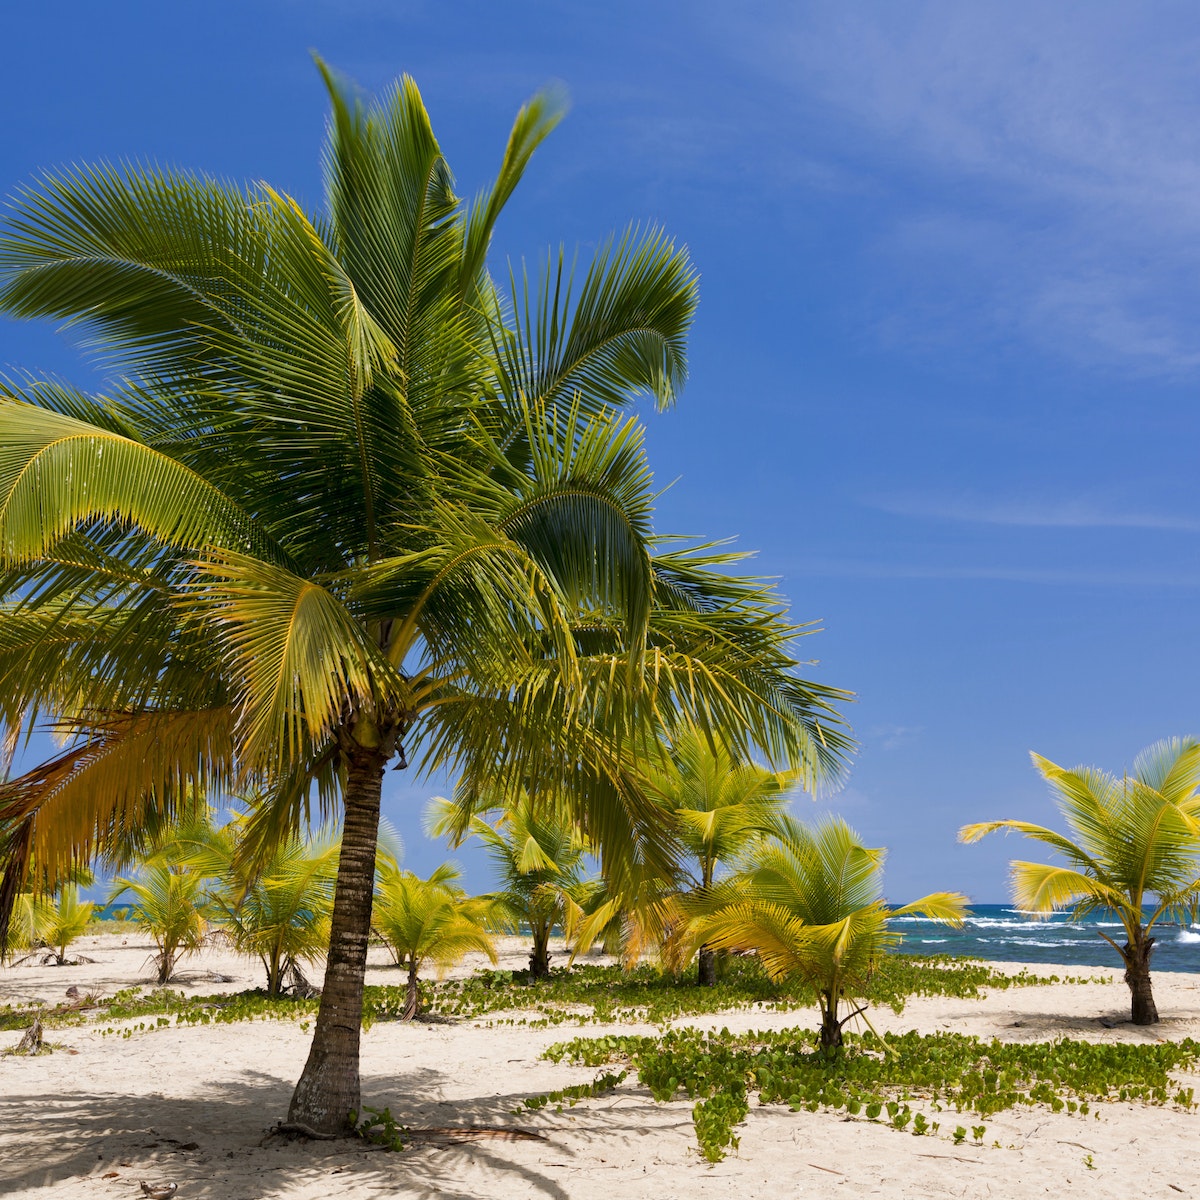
(190, 1105)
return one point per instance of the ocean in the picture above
(1004, 934)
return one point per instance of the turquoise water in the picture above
(1004, 934)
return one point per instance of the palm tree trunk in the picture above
(274, 974)
(1137, 976)
(414, 996)
(831, 1027)
(539, 956)
(329, 1088)
(706, 967)
(166, 962)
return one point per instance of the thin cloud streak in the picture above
(1066, 514)
(1060, 153)
(1050, 576)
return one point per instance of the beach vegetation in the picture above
(1134, 852)
(808, 901)
(58, 921)
(540, 856)
(380, 1128)
(349, 502)
(169, 901)
(582, 994)
(902, 1080)
(47, 925)
(276, 908)
(718, 805)
(429, 920)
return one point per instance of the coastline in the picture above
(190, 1104)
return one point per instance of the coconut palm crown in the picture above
(345, 503)
(1135, 851)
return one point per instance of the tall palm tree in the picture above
(348, 504)
(1135, 837)
(809, 901)
(429, 920)
(540, 858)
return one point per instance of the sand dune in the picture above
(191, 1105)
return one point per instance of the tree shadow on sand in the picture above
(216, 1146)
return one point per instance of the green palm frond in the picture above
(1171, 768)
(58, 473)
(430, 919)
(298, 655)
(1043, 889)
(623, 334)
(808, 902)
(536, 120)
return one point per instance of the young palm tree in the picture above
(64, 920)
(809, 902)
(720, 805)
(429, 920)
(1134, 837)
(340, 510)
(170, 903)
(280, 909)
(540, 856)
(46, 922)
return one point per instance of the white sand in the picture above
(190, 1105)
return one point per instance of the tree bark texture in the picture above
(413, 998)
(1137, 976)
(539, 956)
(329, 1088)
(831, 1027)
(706, 967)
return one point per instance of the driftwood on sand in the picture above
(31, 1042)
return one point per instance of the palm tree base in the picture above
(1143, 1010)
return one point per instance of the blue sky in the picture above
(944, 374)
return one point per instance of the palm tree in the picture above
(65, 920)
(429, 920)
(809, 902)
(279, 909)
(719, 806)
(540, 856)
(342, 508)
(47, 922)
(1134, 837)
(170, 903)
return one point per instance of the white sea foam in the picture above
(1000, 923)
(939, 941)
(1188, 937)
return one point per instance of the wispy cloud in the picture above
(832, 568)
(1050, 153)
(1026, 512)
(892, 737)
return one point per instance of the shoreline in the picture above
(190, 1104)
